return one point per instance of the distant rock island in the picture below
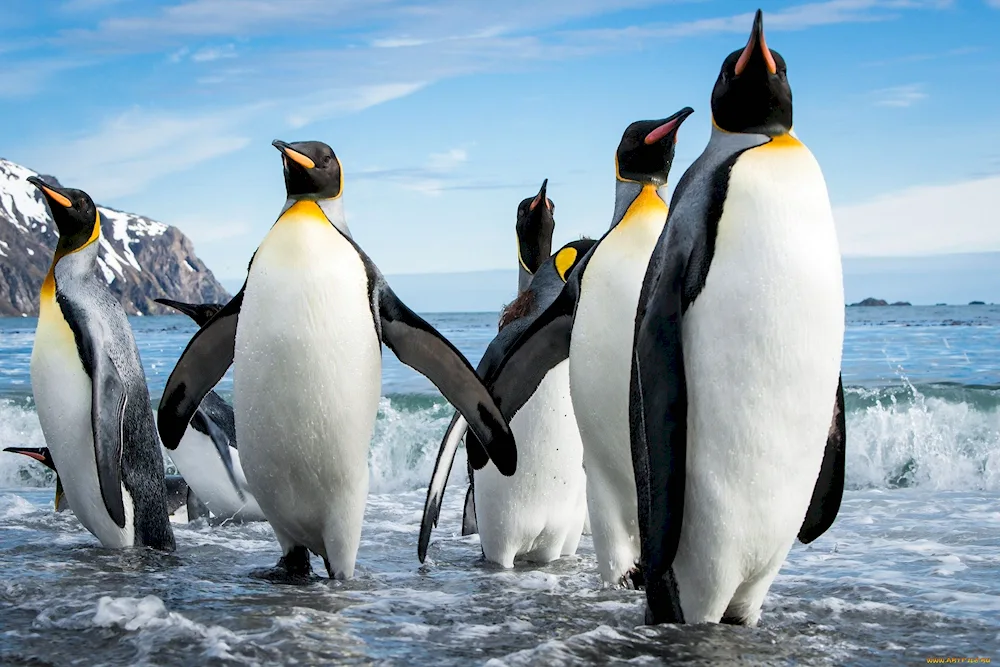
(140, 259)
(878, 302)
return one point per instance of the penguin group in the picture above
(641, 384)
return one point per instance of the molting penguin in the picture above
(178, 493)
(533, 231)
(538, 513)
(207, 455)
(737, 359)
(592, 322)
(305, 334)
(90, 389)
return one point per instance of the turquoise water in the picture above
(909, 571)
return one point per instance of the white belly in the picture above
(539, 512)
(62, 391)
(600, 370)
(307, 380)
(198, 461)
(762, 352)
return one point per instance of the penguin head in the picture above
(74, 213)
(40, 454)
(535, 224)
(199, 312)
(312, 170)
(646, 150)
(752, 94)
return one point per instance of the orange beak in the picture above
(756, 38)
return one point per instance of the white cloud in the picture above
(900, 96)
(208, 54)
(211, 231)
(347, 100)
(924, 220)
(447, 161)
(136, 147)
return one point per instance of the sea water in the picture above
(909, 572)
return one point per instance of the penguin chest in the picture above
(204, 471)
(540, 510)
(307, 376)
(603, 335)
(63, 398)
(762, 351)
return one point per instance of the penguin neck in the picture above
(72, 263)
(523, 278)
(333, 209)
(628, 193)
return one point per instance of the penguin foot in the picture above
(292, 568)
(633, 579)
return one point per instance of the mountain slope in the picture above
(141, 259)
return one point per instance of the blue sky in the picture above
(446, 114)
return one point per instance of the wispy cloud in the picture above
(30, 77)
(210, 53)
(437, 174)
(134, 148)
(910, 222)
(900, 96)
(347, 100)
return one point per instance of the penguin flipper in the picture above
(108, 401)
(204, 424)
(829, 489)
(658, 430)
(177, 492)
(195, 508)
(207, 357)
(60, 503)
(540, 348)
(469, 524)
(418, 345)
(435, 490)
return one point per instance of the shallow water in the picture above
(910, 570)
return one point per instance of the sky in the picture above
(445, 114)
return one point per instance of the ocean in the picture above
(909, 573)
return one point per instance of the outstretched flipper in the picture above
(829, 489)
(658, 429)
(470, 525)
(418, 345)
(435, 491)
(195, 508)
(204, 423)
(208, 356)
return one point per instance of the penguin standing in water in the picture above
(304, 334)
(207, 455)
(90, 389)
(737, 409)
(538, 513)
(592, 322)
(178, 493)
(533, 229)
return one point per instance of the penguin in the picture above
(533, 229)
(90, 389)
(737, 405)
(304, 335)
(592, 323)
(207, 455)
(539, 513)
(178, 493)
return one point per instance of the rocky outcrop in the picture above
(140, 259)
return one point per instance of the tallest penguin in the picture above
(736, 410)
(304, 334)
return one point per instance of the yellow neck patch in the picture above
(520, 260)
(646, 204)
(565, 261)
(304, 210)
(786, 140)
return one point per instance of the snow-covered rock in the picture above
(140, 259)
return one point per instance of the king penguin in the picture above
(737, 408)
(304, 336)
(90, 389)
(533, 229)
(207, 455)
(538, 513)
(592, 322)
(178, 493)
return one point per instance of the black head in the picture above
(646, 150)
(535, 224)
(312, 170)
(74, 213)
(752, 94)
(199, 312)
(40, 454)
